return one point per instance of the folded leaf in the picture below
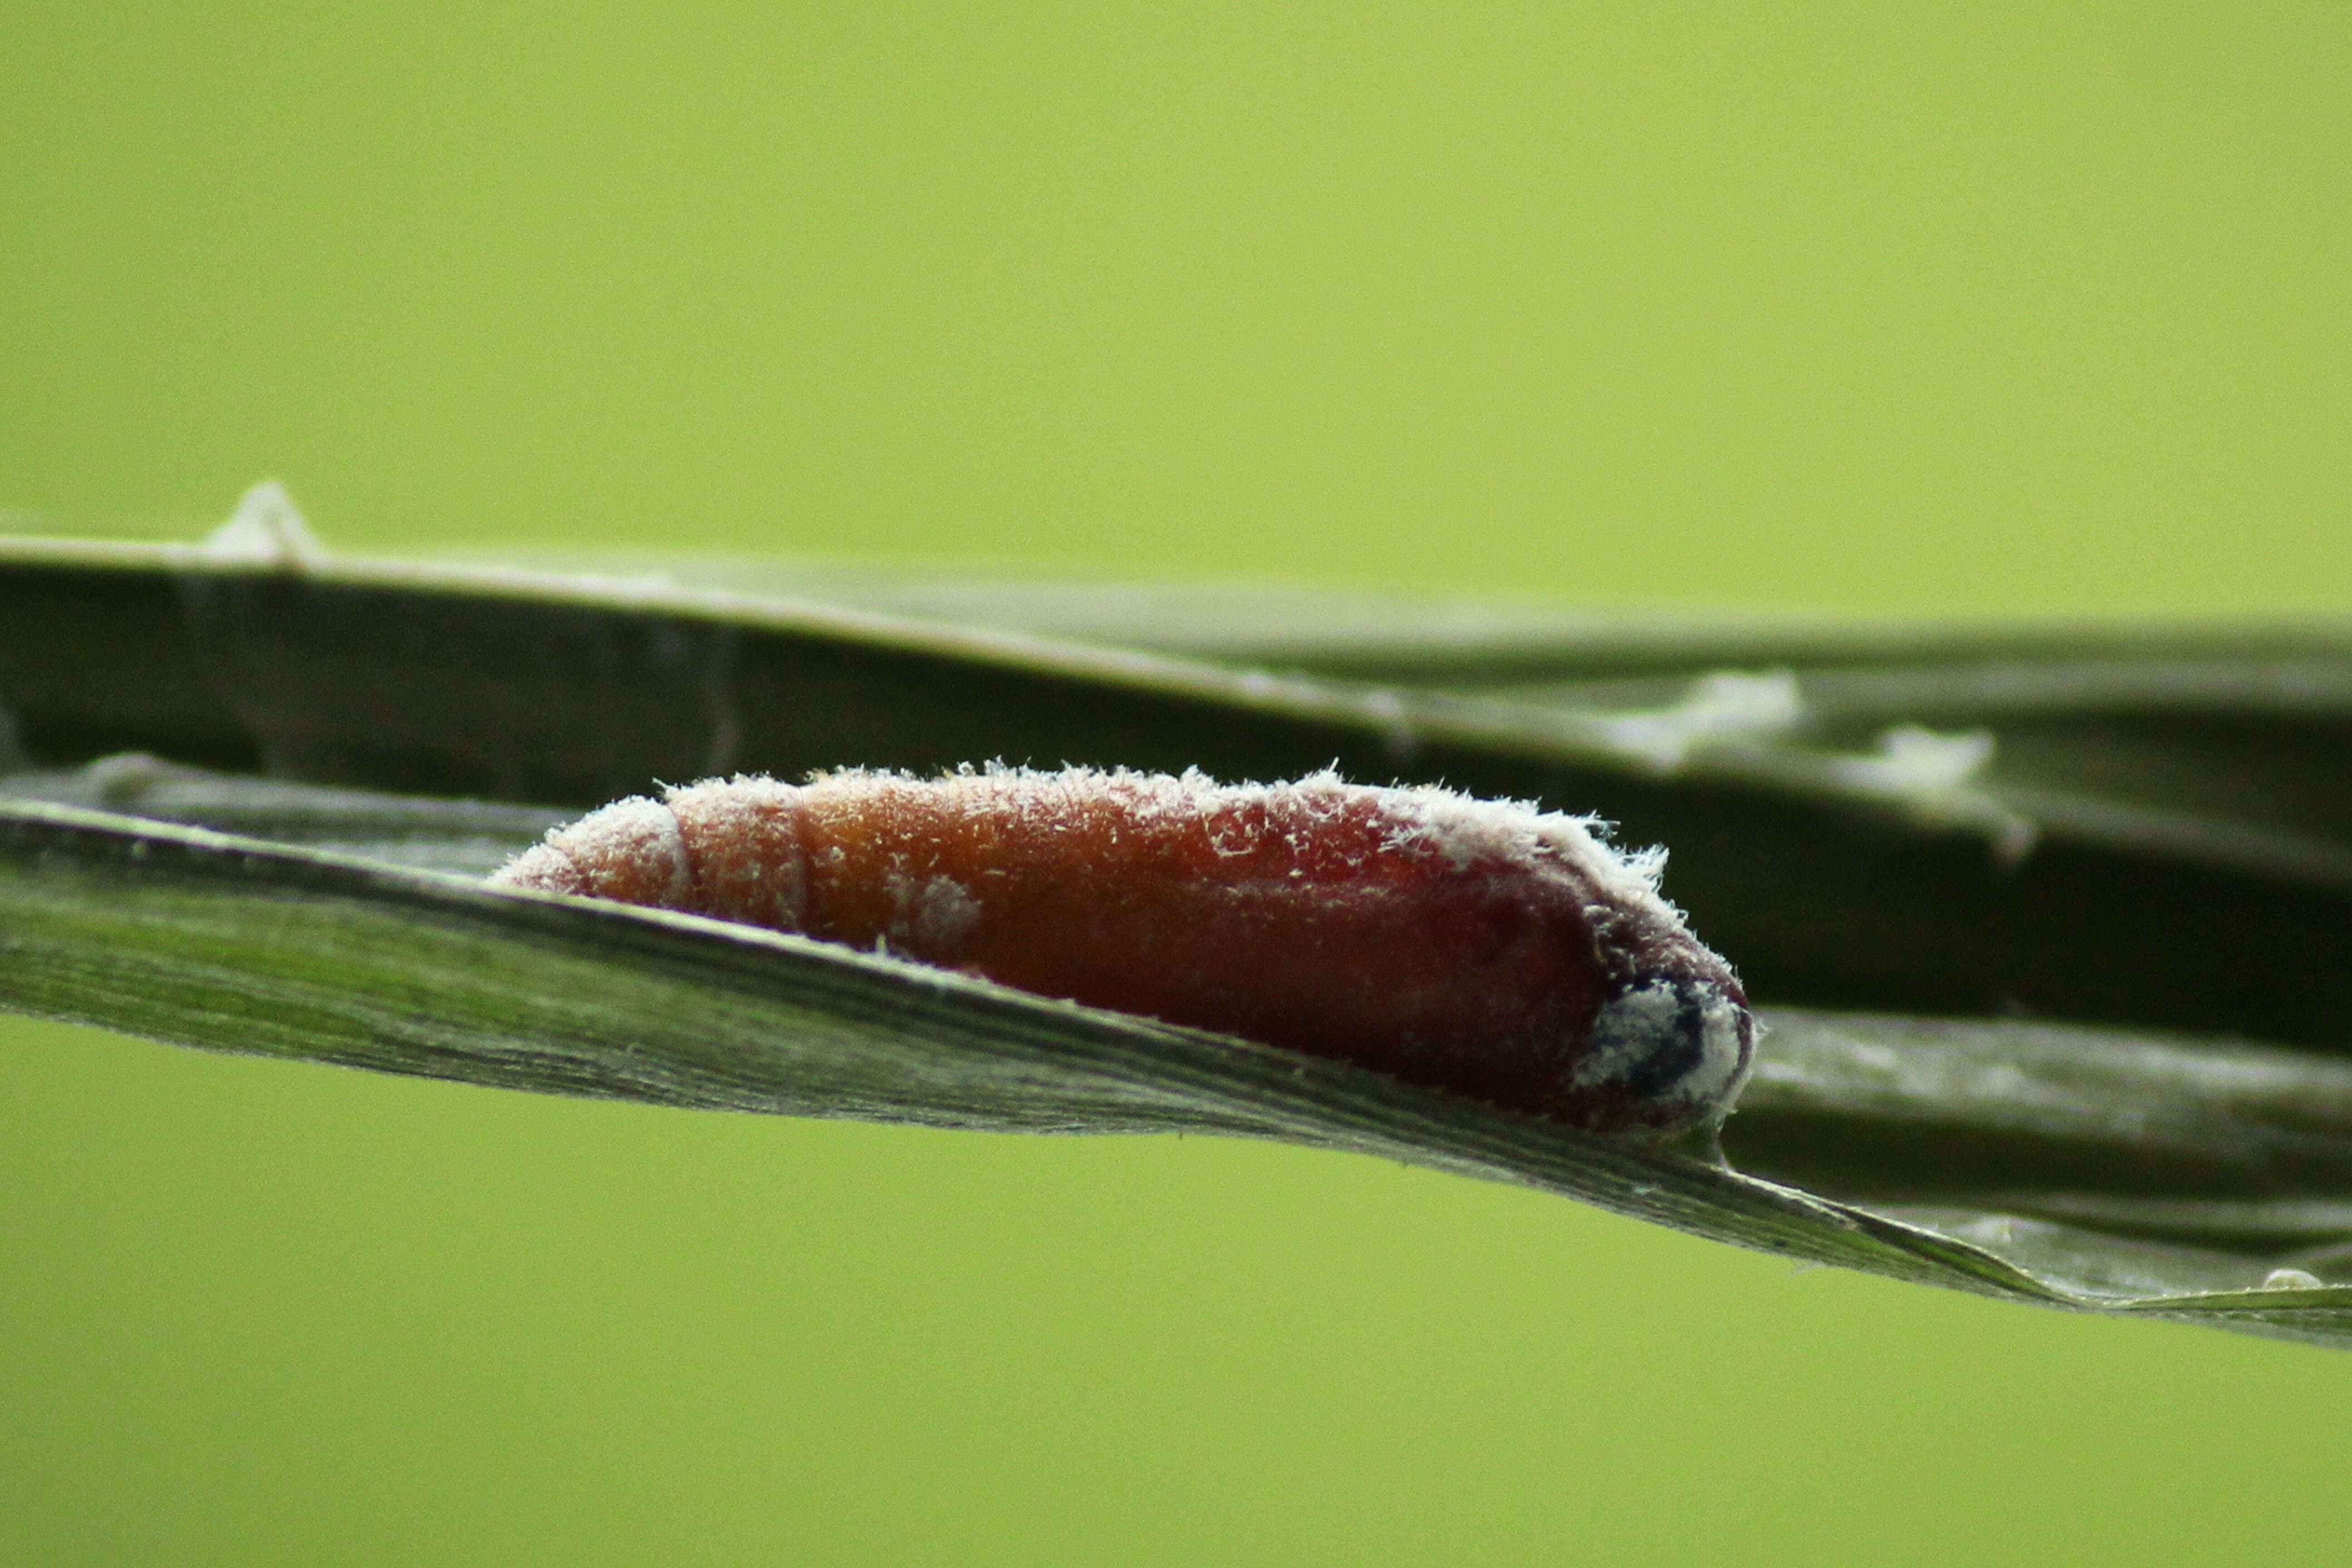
(2133, 829)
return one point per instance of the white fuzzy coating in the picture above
(634, 830)
(937, 912)
(1461, 828)
(1630, 1031)
(656, 819)
(733, 813)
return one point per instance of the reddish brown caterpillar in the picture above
(1477, 946)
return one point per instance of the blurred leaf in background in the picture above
(1823, 306)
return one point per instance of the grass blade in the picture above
(362, 729)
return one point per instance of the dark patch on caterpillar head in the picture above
(1668, 1051)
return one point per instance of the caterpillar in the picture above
(1482, 947)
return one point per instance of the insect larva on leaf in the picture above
(1481, 947)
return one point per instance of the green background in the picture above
(2003, 309)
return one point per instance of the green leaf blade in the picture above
(2151, 853)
